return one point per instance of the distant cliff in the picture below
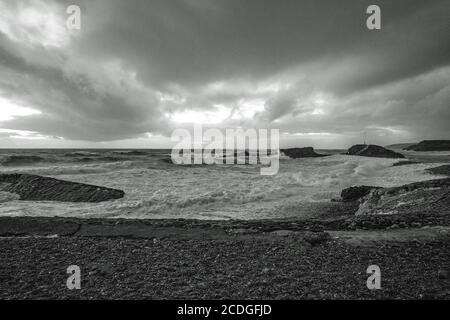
(430, 145)
(373, 151)
(400, 146)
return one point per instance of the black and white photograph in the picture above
(252, 151)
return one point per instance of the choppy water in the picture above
(157, 189)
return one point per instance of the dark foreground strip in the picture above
(221, 309)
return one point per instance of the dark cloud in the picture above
(312, 66)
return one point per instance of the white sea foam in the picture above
(160, 190)
(6, 196)
(54, 170)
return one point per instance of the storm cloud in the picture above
(139, 69)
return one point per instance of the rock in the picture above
(432, 196)
(404, 163)
(38, 188)
(373, 151)
(430, 145)
(265, 270)
(102, 269)
(295, 153)
(356, 193)
(315, 238)
(283, 233)
(242, 231)
(443, 274)
(441, 170)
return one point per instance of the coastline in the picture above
(324, 255)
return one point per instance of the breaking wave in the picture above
(156, 189)
(73, 169)
(6, 196)
(20, 160)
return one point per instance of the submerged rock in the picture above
(38, 188)
(430, 145)
(404, 163)
(356, 193)
(307, 152)
(372, 150)
(432, 196)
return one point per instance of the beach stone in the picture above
(443, 274)
(265, 270)
(102, 270)
(239, 231)
(283, 233)
(315, 238)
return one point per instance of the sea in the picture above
(155, 188)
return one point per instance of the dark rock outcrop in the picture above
(372, 150)
(38, 188)
(441, 170)
(430, 145)
(20, 160)
(356, 193)
(307, 152)
(404, 163)
(432, 196)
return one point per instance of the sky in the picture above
(139, 69)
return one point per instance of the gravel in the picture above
(238, 267)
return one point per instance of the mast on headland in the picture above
(365, 138)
